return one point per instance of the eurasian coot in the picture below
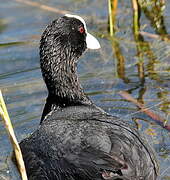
(77, 140)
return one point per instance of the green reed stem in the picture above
(135, 17)
(110, 18)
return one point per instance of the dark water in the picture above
(102, 73)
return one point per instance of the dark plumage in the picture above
(76, 139)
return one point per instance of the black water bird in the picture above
(77, 140)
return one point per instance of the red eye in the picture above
(81, 30)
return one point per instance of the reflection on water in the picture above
(137, 64)
(154, 10)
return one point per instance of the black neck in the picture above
(60, 75)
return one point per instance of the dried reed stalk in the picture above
(12, 137)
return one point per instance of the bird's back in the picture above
(84, 143)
